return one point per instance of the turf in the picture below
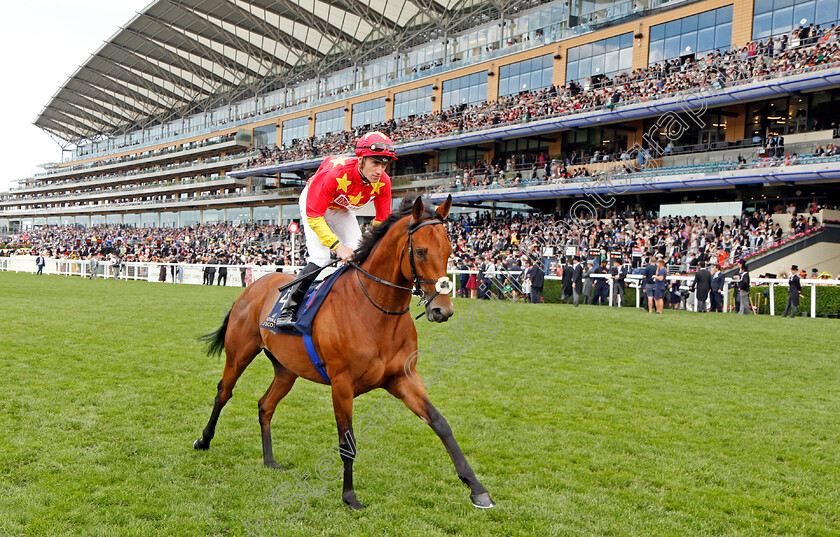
(587, 421)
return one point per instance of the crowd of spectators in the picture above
(682, 242)
(717, 69)
(224, 243)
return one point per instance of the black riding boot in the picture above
(286, 320)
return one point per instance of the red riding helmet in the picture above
(375, 144)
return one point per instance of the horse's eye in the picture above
(421, 253)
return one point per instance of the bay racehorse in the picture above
(405, 254)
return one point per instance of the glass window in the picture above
(368, 112)
(826, 11)
(295, 129)
(605, 57)
(762, 25)
(466, 90)
(414, 102)
(775, 17)
(528, 75)
(763, 6)
(696, 34)
(329, 121)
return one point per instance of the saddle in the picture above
(312, 301)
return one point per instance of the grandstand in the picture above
(214, 111)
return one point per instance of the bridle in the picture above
(442, 284)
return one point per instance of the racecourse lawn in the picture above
(579, 421)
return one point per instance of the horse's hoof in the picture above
(354, 503)
(482, 501)
(274, 465)
(201, 444)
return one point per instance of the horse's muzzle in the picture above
(439, 313)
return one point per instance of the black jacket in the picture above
(744, 282)
(577, 277)
(717, 282)
(793, 285)
(568, 272)
(536, 275)
(702, 283)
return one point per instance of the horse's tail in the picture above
(216, 340)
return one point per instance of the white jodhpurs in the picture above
(342, 222)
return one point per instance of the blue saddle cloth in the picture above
(312, 301)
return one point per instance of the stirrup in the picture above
(287, 319)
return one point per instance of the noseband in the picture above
(440, 284)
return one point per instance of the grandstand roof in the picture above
(177, 57)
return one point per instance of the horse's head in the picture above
(424, 264)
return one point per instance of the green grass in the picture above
(587, 421)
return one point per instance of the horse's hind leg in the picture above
(280, 386)
(238, 358)
(415, 398)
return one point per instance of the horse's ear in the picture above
(419, 209)
(443, 209)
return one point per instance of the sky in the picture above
(43, 42)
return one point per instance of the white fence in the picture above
(635, 281)
(237, 275)
(240, 275)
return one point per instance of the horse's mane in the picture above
(372, 237)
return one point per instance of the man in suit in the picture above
(211, 269)
(463, 279)
(702, 285)
(223, 262)
(794, 291)
(587, 282)
(40, 262)
(716, 294)
(744, 289)
(537, 277)
(619, 276)
(577, 280)
(566, 287)
(602, 287)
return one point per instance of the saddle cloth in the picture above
(312, 301)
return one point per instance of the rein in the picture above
(416, 289)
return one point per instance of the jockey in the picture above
(328, 204)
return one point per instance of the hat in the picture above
(814, 271)
(794, 267)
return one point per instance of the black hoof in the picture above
(482, 501)
(274, 465)
(354, 503)
(201, 444)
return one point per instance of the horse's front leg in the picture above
(415, 398)
(342, 395)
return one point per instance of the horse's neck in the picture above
(384, 263)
